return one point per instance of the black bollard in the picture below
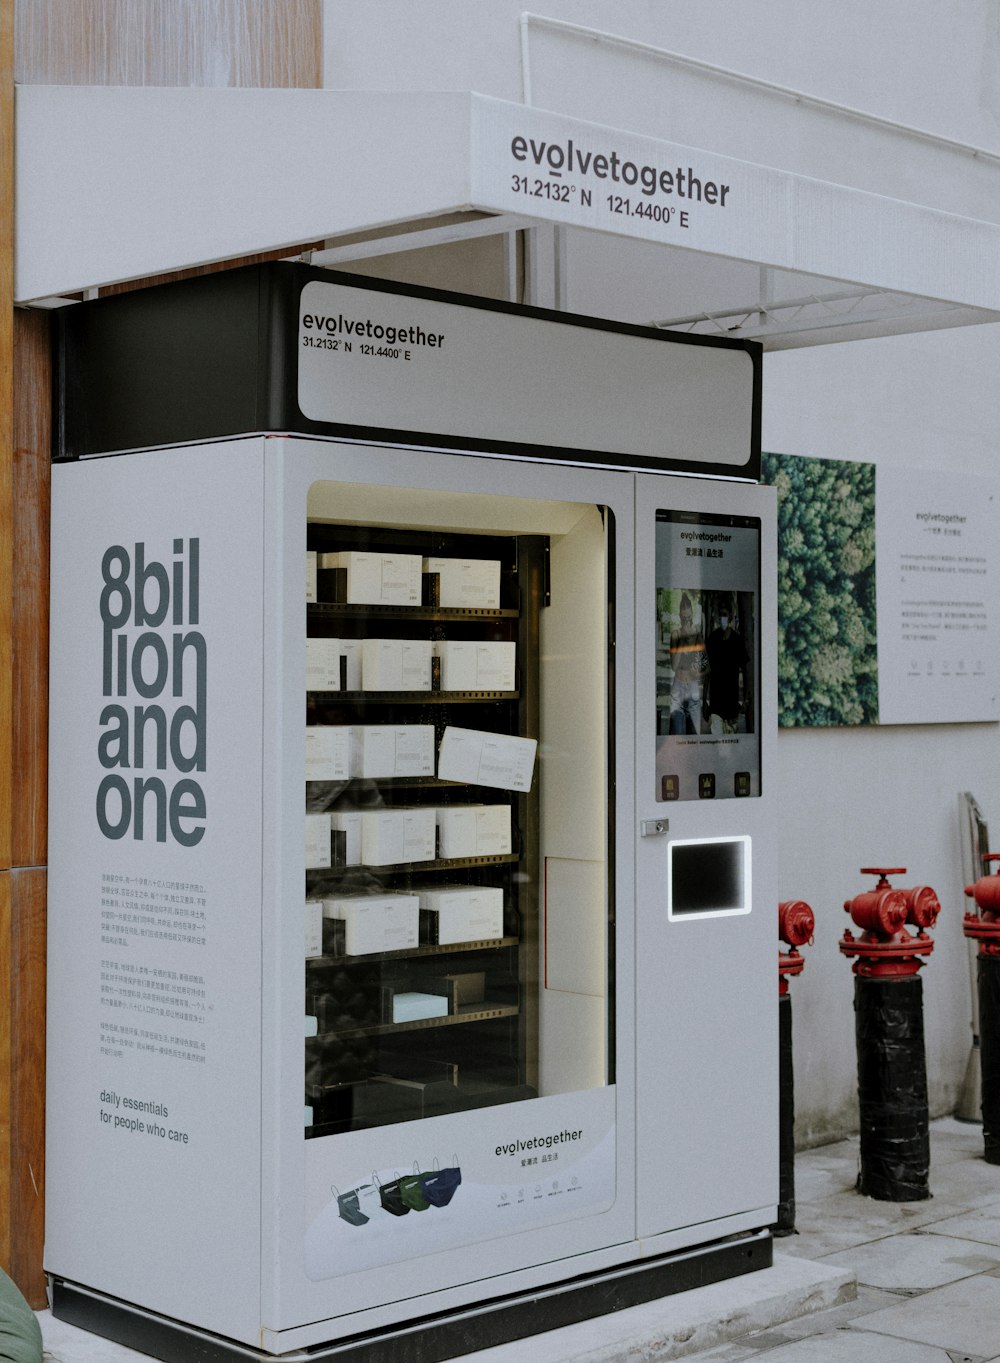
(889, 1031)
(988, 977)
(984, 928)
(892, 1088)
(785, 1224)
(796, 922)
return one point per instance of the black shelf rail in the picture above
(409, 953)
(428, 697)
(342, 610)
(408, 867)
(468, 1012)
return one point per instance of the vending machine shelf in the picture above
(430, 697)
(343, 610)
(470, 1012)
(420, 867)
(425, 949)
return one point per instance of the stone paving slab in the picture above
(917, 1262)
(751, 1347)
(844, 1346)
(677, 1326)
(844, 1220)
(963, 1317)
(982, 1224)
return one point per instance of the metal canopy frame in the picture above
(128, 183)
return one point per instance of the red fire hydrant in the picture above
(984, 927)
(885, 948)
(889, 1030)
(796, 922)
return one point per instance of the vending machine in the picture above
(412, 888)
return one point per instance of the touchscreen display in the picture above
(707, 656)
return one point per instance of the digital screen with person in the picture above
(707, 582)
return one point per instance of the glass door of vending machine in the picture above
(706, 1030)
(454, 660)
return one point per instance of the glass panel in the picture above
(707, 651)
(457, 862)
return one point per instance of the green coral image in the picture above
(827, 644)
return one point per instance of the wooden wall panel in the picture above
(6, 561)
(27, 1127)
(170, 42)
(6, 410)
(30, 588)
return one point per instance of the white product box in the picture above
(410, 1007)
(396, 664)
(496, 665)
(459, 664)
(314, 927)
(377, 922)
(390, 837)
(476, 665)
(462, 913)
(486, 759)
(351, 651)
(348, 822)
(322, 664)
(317, 840)
(331, 752)
(395, 750)
(378, 579)
(471, 582)
(473, 831)
(456, 831)
(310, 575)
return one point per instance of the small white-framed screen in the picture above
(708, 877)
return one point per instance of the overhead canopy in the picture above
(122, 183)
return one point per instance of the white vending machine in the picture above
(412, 888)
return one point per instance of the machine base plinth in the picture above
(446, 1335)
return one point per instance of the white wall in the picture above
(888, 795)
(850, 797)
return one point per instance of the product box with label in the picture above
(410, 1006)
(331, 752)
(473, 831)
(345, 826)
(476, 665)
(483, 758)
(470, 582)
(376, 922)
(314, 927)
(395, 750)
(396, 664)
(317, 841)
(333, 664)
(323, 665)
(390, 837)
(373, 579)
(460, 913)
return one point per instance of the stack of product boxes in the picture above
(406, 835)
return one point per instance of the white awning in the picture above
(123, 183)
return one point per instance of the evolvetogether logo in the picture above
(147, 663)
